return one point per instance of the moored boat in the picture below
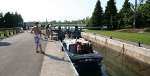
(82, 55)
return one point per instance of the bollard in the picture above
(5, 34)
(9, 33)
(95, 35)
(110, 37)
(139, 44)
(14, 32)
(0, 35)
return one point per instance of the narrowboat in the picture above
(82, 55)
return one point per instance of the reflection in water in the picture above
(90, 74)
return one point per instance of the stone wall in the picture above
(122, 59)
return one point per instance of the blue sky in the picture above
(39, 10)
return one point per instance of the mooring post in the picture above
(110, 37)
(106, 46)
(0, 35)
(139, 44)
(95, 35)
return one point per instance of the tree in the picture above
(126, 15)
(110, 15)
(13, 20)
(136, 15)
(19, 20)
(144, 10)
(86, 21)
(1, 20)
(8, 20)
(97, 16)
(148, 1)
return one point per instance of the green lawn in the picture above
(134, 37)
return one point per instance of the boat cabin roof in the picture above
(71, 42)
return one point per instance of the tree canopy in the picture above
(10, 20)
(122, 19)
(97, 16)
(143, 11)
(126, 15)
(110, 14)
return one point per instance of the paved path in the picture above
(18, 57)
(56, 62)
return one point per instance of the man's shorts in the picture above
(37, 40)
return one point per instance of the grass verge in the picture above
(134, 37)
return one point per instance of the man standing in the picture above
(61, 35)
(37, 37)
(76, 33)
(47, 32)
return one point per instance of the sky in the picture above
(60, 10)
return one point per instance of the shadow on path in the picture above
(4, 44)
(56, 58)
